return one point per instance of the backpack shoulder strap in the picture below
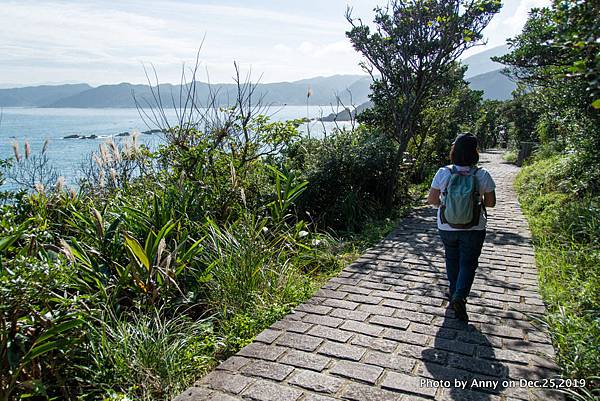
(474, 174)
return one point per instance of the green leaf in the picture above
(136, 250)
(59, 328)
(596, 104)
(6, 242)
(43, 349)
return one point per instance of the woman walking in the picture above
(462, 191)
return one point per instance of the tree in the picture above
(452, 108)
(413, 46)
(560, 43)
(557, 59)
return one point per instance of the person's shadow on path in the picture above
(463, 359)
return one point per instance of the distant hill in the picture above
(351, 89)
(38, 96)
(494, 84)
(481, 63)
(323, 92)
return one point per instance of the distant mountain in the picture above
(323, 92)
(481, 63)
(351, 89)
(494, 84)
(37, 96)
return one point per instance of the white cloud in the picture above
(106, 41)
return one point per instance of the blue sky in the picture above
(101, 42)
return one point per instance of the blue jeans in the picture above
(462, 258)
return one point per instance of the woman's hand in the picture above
(434, 197)
(489, 199)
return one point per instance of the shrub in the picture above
(348, 173)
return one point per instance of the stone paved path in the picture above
(381, 329)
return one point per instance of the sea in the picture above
(38, 125)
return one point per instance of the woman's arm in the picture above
(434, 197)
(489, 199)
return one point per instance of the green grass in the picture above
(510, 156)
(566, 228)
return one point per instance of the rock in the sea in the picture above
(74, 136)
(151, 131)
(93, 136)
(123, 134)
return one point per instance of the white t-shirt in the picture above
(485, 182)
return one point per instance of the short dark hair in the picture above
(464, 152)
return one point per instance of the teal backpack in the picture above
(461, 203)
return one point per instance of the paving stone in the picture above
(434, 355)
(292, 325)
(299, 341)
(454, 346)
(357, 315)
(413, 316)
(358, 371)
(400, 304)
(395, 362)
(503, 331)
(234, 363)
(375, 343)
(339, 303)
(359, 327)
(318, 382)
(389, 294)
(306, 360)
(406, 336)
(475, 337)
(267, 370)
(377, 309)
(465, 395)
(330, 333)
(390, 322)
(500, 354)
(341, 351)
(435, 371)
(222, 397)
(331, 294)
(264, 390)
(317, 397)
(194, 394)
(362, 392)
(261, 351)
(323, 320)
(478, 365)
(345, 281)
(374, 285)
(365, 299)
(404, 382)
(355, 290)
(318, 309)
(221, 380)
(267, 336)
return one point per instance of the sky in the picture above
(105, 42)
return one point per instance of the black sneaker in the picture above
(460, 308)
